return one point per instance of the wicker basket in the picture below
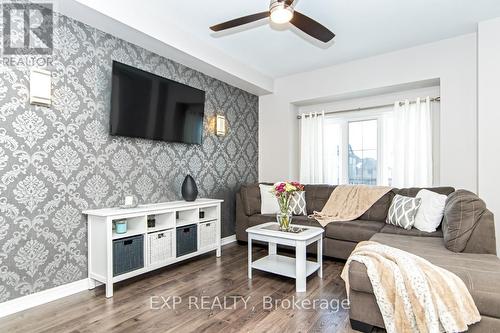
(161, 246)
(208, 234)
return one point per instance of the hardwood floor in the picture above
(130, 310)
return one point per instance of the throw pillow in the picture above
(402, 211)
(268, 202)
(298, 203)
(431, 211)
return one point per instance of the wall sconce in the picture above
(220, 125)
(40, 87)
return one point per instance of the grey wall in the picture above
(56, 162)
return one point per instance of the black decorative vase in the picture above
(189, 190)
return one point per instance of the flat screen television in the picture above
(145, 105)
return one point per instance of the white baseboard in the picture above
(42, 297)
(228, 240)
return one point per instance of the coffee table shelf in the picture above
(282, 265)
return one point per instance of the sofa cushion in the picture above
(304, 220)
(353, 231)
(378, 212)
(394, 230)
(480, 272)
(317, 196)
(250, 197)
(483, 238)
(462, 212)
(257, 219)
(412, 191)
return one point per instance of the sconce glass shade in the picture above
(220, 125)
(40, 87)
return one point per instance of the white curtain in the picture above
(412, 164)
(333, 151)
(312, 169)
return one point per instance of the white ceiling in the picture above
(363, 28)
(250, 57)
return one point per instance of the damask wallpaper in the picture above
(56, 162)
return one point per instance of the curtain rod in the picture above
(433, 99)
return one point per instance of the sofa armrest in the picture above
(482, 239)
(468, 225)
(241, 219)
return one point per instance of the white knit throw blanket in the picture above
(414, 295)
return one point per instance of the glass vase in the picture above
(284, 220)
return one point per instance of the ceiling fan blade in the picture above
(311, 27)
(240, 21)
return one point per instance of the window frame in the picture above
(346, 146)
(344, 118)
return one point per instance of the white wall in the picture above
(489, 117)
(278, 140)
(452, 61)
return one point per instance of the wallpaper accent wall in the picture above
(56, 162)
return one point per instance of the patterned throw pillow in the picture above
(298, 203)
(402, 211)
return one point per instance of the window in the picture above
(388, 145)
(362, 152)
(358, 148)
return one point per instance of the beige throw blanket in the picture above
(414, 295)
(348, 202)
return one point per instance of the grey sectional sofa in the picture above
(467, 229)
(340, 237)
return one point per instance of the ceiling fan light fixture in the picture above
(280, 13)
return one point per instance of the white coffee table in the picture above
(299, 267)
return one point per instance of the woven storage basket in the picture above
(207, 234)
(128, 254)
(161, 246)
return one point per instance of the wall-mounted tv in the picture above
(145, 105)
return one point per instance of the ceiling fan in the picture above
(280, 12)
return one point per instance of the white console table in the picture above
(168, 216)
